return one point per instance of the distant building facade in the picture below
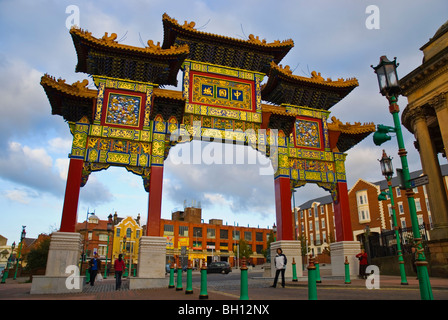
(315, 218)
(211, 241)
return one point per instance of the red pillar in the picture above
(342, 214)
(283, 209)
(73, 186)
(155, 201)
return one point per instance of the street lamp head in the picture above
(22, 236)
(386, 71)
(386, 165)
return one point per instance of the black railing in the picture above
(385, 243)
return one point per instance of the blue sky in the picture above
(329, 37)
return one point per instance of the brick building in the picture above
(315, 218)
(212, 241)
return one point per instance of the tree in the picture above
(245, 249)
(37, 257)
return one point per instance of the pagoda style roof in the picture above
(315, 92)
(75, 101)
(345, 136)
(72, 102)
(277, 117)
(251, 54)
(106, 57)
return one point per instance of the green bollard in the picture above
(203, 294)
(312, 288)
(244, 290)
(347, 271)
(179, 277)
(171, 284)
(316, 263)
(294, 271)
(189, 289)
(87, 276)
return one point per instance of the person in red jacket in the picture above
(362, 257)
(119, 267)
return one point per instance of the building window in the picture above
(311, 225)
(248, 236)
(418, 206)
(321, 209)
(364, 215)
(168, 230)
(183, 231)
(403, 223)
(389, 208)
(102, 237)
(316, 212)
(197, 232)
(118, 232)
(224, 247)
(128, 232)
(317, 225)
(400, 207)
(137, 234)
(362, 197)
(211, 233)
(90, 235)
(236, 234)
(420, 219)
(210, 246)
(224, 234)
(324, 236)
(259, 248)
(397, 189)
(323, 223)
(259, 236)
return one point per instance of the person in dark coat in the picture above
(94, 268)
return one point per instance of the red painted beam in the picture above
(155, 201)
(342, 214)
(283, 209)
(73, 186)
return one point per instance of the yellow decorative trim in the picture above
(356, 128)
(110, 42)
(316, 78)
(189, 27)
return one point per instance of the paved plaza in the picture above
(227, 287)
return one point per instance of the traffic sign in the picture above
(419, 181)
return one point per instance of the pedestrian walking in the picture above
(362, 257)
(119, 267)
(94, 268)
(280, 267)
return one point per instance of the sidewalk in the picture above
(20, 290)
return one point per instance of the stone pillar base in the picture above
(291, 249)
(438, 262)
(151, 264)
(62, 272)
(340, 250)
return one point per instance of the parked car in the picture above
(219, 267)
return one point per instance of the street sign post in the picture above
(419, 181)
